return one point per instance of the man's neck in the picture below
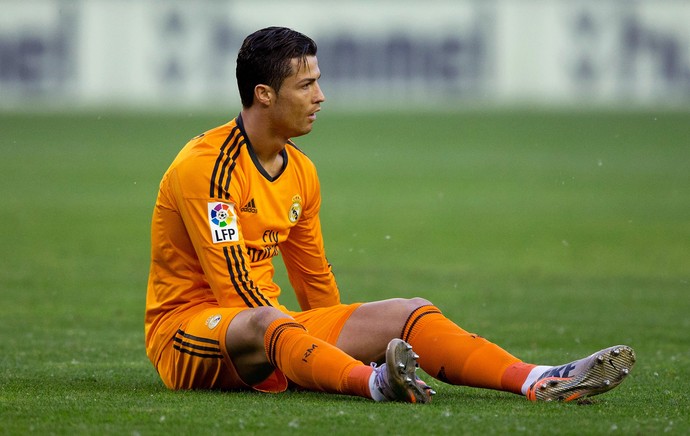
(267, 146)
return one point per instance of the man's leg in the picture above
(260, 340)
(453, 355)
(446, 351)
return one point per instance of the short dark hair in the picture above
(265, 58)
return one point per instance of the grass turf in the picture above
(552, 234)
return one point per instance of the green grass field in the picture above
(552, 234)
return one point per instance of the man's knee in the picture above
(409, 305)
(249, 326)
(245, 342)
(259, 318)
(418, 302)
(392, 310)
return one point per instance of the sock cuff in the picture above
(411, 325)
(358, 380)
(273, 333)
(514, 377)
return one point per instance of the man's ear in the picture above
(264, 94)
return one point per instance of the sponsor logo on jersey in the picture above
(213, 321)
(223, 222)
(249, 207)
(295, 209)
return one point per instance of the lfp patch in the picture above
(223, 222)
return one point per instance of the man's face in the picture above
(299, 99)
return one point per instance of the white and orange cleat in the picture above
(396, 380)
(593, 375)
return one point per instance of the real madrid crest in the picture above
(213, 321)
(295, 209)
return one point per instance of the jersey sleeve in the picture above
(309, 272)
(216, 235)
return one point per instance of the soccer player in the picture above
(239, 194)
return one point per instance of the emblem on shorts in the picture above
(295, 209)
(213, 321)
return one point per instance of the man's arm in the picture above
(216, 236)
(308, 269)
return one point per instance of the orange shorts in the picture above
(197, 358)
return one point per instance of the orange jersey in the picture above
(218, 222)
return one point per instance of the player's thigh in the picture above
(326, 323)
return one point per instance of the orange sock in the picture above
(313, 363)
(451, 354)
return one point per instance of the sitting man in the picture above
(240, 193)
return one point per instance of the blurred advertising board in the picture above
(374, 54)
